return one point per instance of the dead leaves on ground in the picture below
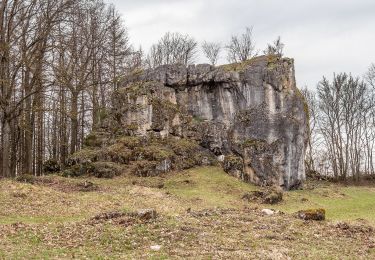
(218, 233)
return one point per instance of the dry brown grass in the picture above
(200, 216)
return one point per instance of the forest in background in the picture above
(60, 60)
(342, 127)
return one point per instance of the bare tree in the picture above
(313, 142)
(118, 47)
(172, 48)
(58, 61)
(344, 106)
(241, 47)
(276, 48)
(135, 60)
(370, 75)
(25, 29)
(369, 121)
(211, 50)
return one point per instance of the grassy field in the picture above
(200, 216)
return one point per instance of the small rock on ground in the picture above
(155, 247)
(268, 212)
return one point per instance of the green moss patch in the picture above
(257, 144)
(241, 66)
(92, 140)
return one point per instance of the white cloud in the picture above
(324, 36)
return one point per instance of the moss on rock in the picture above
(273, 197)
(26, 178)
(83, 156)
(183, 146)
(312, 214)
(153, 152)
(233, 164)
(106, 169)
(130, 142)
(164, 111)
(241, 66)
(256, 144)
(51, 166)
(145, 168)
(92, 140)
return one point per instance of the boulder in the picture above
(250, 116)
(268, 212)
(155, 247)
(273, 197)
(312, 214)
(265, 196)
(146, 214)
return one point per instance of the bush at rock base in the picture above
(51, 166)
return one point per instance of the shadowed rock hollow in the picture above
(248, 116)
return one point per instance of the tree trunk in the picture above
(6, 148)
(63, 128)
(74, 121)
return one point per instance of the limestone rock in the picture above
(250, 114)
(155, 247)
(275, 196)
(312, 214)
(266, 196)
(146, 214)
(268, 212)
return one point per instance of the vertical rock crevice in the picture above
(249, 115)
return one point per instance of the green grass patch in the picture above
(211, 186)
(341, 203)
(47, 222)
(38, 219)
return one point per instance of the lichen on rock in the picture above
(249, 115)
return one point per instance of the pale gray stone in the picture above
(254, 112)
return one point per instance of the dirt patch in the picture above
(159, 184)
(355, 228)
(87, 186)
(125, 218)
(66, 185)
(207, 212)
(108, 215)
(208, 233)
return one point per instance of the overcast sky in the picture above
(323, 36)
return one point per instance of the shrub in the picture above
(87, 186)
(26, 178)
(73, 171)
(84, 155)
(183, 146)
(105, 169)
(146, 168)
(130, 142)
(96, 169)
(233, 163)
(51, 166)
(118, 153)
(92, 140)
(153, 153)
(274, 196)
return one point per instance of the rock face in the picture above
(251, 115)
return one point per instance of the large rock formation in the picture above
(250, 116)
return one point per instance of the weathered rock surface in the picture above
(266, 196)
(251, 116)
(312, 214)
